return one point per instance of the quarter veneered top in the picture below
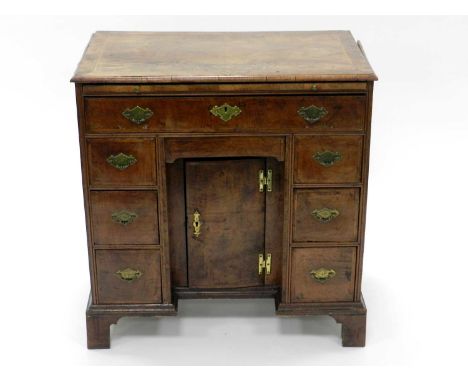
(161, 57)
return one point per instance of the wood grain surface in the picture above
(258, 114)
(142, 230)
(141, 57)
(187, 158)
(112, 289)
(344, 227)
(304, 288)
(345, 170)
(140, 173)
(232, 217)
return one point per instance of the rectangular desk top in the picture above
(211, 57)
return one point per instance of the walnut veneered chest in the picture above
(229, 165)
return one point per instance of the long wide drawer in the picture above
(128, 276)
(225, 113)
(326, 214)
(124, 217)
(322, 274)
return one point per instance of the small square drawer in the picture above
(125, 217)
(327, 159)
(326, 214)
(121, 162)
(128, 276)
(323, 274)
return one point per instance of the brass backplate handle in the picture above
(121, 161)
(129, 274)
(137, 114)
(322, 275)
(226, 112)
(124, 217)
(327, 158)
(312, 113)
(196, 223)
(324, 215)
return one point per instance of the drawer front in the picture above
(128, 276)
(326, 214)
(225, 114)
(121, 162)
(327, 159)
(322, 274)
(125, 217)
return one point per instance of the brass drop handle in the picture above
(196, 223)
(129, 274)
(137, 114)
(312, 113)
(327, 158)
(322, 275)
(121, 161)
(324, 215)
(124, 217)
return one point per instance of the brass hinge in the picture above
(265, 180)
(264, 263)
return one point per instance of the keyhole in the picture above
(196, 223)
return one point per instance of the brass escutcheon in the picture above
(225, 112)
(196, 223)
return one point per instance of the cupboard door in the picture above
(225, 223)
